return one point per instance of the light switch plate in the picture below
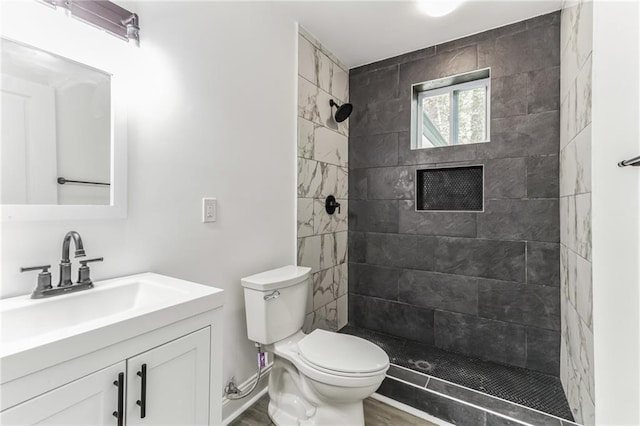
(209, 209)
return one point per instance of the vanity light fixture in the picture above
(437, 8)
(102, 14)
(133, 29)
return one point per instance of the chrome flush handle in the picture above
(635, 161)
(274, 295)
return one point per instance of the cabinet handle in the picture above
(120, 413)
(142, 402)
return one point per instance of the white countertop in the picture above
(38, 333)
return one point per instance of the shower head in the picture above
(343, 111)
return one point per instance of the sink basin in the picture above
(25, 319)
(114, 309)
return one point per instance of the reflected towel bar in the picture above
(635, 161)
(62, 181)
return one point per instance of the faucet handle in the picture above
(44, 280)
(45, 268)
(95, 259)
(83, 271)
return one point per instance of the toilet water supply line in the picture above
(233, 392)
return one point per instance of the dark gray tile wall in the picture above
(484, 284)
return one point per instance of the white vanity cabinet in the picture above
(176, 388)
(90, 400)
(167, 385)
(157, 361)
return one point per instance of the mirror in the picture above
(68, 54)
(56, 129)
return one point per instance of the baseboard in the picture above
(231, 409)
(410, 410)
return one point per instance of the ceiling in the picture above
(361, 32)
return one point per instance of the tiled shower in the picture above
(485, 284)
(475, 299)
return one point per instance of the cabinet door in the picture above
(177, 383)
(90, 400)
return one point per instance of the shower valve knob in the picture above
(331, 205)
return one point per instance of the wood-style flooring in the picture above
(376, 413)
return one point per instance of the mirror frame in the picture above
(35, 25)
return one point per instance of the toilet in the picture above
(320, 378)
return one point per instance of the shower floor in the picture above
(481, 383)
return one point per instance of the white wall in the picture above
(616, 212)
(213, 113)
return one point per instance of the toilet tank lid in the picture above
(276, 278)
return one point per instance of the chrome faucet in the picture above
(44, 288)
(65, 263)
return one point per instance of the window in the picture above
(451, 111)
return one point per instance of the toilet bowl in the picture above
(320, 378)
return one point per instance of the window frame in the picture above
(451, 85)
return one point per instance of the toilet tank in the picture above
(276, 302)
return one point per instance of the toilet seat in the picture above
(342, 354)
(346, 375)
(290, 350)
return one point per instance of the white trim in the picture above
(231, 409)
(231, 417)
(482, 82)
(409, 410)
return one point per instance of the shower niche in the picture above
(459, 189)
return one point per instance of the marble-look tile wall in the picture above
(485, 284)
(576, 366)
(322, 171)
